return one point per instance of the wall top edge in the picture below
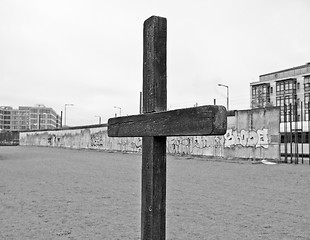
(68, 128)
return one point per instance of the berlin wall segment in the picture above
(241, 140)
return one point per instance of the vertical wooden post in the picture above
(153, 212)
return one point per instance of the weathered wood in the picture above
(154, 65)
(153, 209)
(156, 124)
(198, 121)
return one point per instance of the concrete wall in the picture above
(9, 138)
(251, 134)
(254, 134)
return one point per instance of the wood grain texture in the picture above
(153, 202)
(198, 121)
(155, 124)
(155, 65)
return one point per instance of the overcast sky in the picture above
(89, 53)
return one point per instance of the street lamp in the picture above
(99, 118)
(120, 110)
(67, 104)
(222, 85)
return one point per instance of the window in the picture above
(286, 87)
(307, 83)
(260, 96)
(307, 106)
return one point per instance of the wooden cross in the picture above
(155, 124)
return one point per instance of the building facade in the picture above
(5, 117)
(28, 118)
(288, 89)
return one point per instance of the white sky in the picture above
(89, 53)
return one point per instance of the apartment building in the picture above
(5, 118)
(28, 118)
(288, 88)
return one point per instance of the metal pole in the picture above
(309, 131)
(296, 133)
(227, 94)
(285, 132)
(99, 117)
(60, 119)
(120, 110)
(65, 115)
(227, 98)
(291, 134)
(302, 133)
(67, 104)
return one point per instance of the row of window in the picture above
(286, 87)
(286, 100)
(263, 89)
(19, 113)
(41, 121)
(20, 127)
(293, 117)
(307, 84)
(5, 112)
(25, 121)
(41, 111)
(19, 118)
(295, 137)
(19, 122)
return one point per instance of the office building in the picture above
(288, 88)
(28, 118)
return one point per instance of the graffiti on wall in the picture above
(130, 144)
(96, 139)
(100, 140)
(245, 138)
(195, 145)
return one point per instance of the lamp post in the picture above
(67, 104)
(99, 118)
(222, 85)
(120, 110)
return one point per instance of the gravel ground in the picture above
(48, 193)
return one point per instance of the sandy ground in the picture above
(48, 193)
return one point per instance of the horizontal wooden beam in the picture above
(197, 121)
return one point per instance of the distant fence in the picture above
(9, 138)
(295, 134)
